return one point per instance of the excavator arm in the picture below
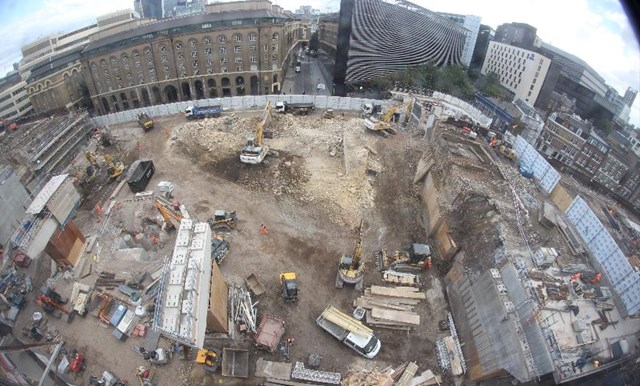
(167, 215)
(265, 119)
(357, 255)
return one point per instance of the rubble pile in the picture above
(218, 137)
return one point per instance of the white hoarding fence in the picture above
(234, 104)
(543, 173)
(615, 266)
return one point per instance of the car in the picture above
(297, 69)
(320, 87)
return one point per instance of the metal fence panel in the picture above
(624, 280)
(543, 172)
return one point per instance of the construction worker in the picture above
(263, 229)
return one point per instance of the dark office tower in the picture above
(380, 37)
(516, 34)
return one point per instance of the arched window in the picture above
(237, 38)
(275, 36)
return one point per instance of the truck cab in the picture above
(367, 347)
(349, 331)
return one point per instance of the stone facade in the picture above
(231, 53)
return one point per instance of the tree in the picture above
(454, 80)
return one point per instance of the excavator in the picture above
(210, 359)
(254, 150)
(114, 169)
(383, 125)
(223, 220)
(288, 282)
(168, 214)
(351, 268)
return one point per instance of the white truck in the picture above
(349, 331)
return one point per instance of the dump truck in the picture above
(349, 331)
(294, 108)
(195, 112)
(145, 121)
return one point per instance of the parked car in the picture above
(320, 87)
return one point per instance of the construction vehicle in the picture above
(328, 114)
(77, 363)
(378, 126)
(223, 220)
(114, 168)
(417, 257)
(144, 376)
(288, 282)
(145, 121)
(108, 379)
(80, 298)
(294, 108)
(507, 152)
(369, 109)
(254, 150)
(351, 268)
(219, 248)
(210, 359)
(195, 112)
(168, 215)
(349, 331)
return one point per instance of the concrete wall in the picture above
(434, 223)
(217, 319)
(14, 200)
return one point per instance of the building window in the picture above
(180, 55)
(162, 49)
(178, 45)
(222, 39)
(164, 59)
(194, 54)
(209, 62)
(252, 48)
(193, 43)
(206, 41)
(194, 63)
(236, 22)
(237, 38)
(207, 51)
(239, 69)
(253, 37)
(223, 69)
(237, 49)
(253, 59)
(274, 47)
(223, 50)
(274, 58)
(207, 25)
(223, 60)
(238, 60)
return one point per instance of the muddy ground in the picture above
(310, 198)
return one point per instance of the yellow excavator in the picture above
(210, 359)
(114, 168)
(168, 215)
(351, 267)
(254, 150)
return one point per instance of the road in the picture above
(307, 79)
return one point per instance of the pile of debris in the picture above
(403, 375)
(391, 307)
(15, 287)
(243, 311)
(216, 137)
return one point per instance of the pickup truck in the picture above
(145, 122)
(294, 108)
(349, 331)
(194, 112)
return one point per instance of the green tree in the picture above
(454, 80)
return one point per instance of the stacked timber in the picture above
(391, 307)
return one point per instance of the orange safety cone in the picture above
(263, 229)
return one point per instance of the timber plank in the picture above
(396, 316)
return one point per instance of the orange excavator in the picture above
(50, 306)
(168, 214)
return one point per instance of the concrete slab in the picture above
(268, 369)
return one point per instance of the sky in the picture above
(597, 31)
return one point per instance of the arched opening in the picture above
(276, 88)
(145, 97)
(125, 105)
(240, 86)
(199, 89)
(157, 96)
(226, 90)
(123, 96)
(275, 78)
(171, 93)
(105, 105)
(186, 91)
(211, 84)
(134, 99)
(254, 85)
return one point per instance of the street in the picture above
(306, 81)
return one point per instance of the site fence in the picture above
(234, 104)
(475, 114)
(613, 263)
(543, 173)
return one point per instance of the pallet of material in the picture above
(369, 303)
(399, 292)
(401, 317)
(390, 299)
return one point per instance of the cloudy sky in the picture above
(597, 31)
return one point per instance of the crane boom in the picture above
(358, 252)
(265, 119)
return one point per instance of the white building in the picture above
(472, 24)
(520, 71)
(186, 282)
(14, 101)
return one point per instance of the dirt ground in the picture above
(310, 197)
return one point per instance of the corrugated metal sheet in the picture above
(46, 193)
(64, 202)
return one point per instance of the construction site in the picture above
(292, 241)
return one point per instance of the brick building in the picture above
(233, 49)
